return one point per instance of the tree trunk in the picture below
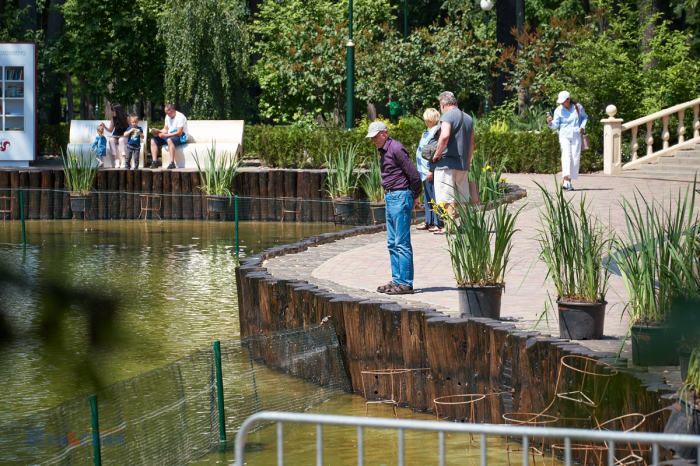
(30, 23)
(53, 31)
(586, 5)
(506, 21)
(87, 102)
(647, 9)
(70, 111)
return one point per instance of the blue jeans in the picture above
(399, 205)
(431, 218)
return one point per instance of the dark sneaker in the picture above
(400, 289)
(385, 288)
(570, 188)
(171, 166)
(154, 165)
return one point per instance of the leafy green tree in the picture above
(302, 65)
(207, 64)
(432, 60)
(112, 48)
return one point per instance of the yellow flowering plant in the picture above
(80, 172)
(492, 185)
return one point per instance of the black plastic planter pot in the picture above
(480, 301)
(218, 203)
(684, 360)
(654, 345)
(80, 202)
(581, 321)
(378, 213)
(684, 419)
(343, 208)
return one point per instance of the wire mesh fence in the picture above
(48, 204)
(170, 416)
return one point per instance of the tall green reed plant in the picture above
(219, 172)
(342, 179)
(371, 181)
(489, 178)
(573, 244)
(657, 256)
(481, 243)
(80, 172)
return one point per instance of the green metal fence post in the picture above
(220, 395)
(235, 205)
(21, 214)
(97, 453)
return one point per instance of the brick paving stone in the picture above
(358, 265)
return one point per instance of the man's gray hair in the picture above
(448, 99)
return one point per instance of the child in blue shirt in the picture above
(133, 133)
(100, 146)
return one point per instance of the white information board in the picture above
(18, 116)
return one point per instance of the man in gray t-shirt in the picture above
(453, 155)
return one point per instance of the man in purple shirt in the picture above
(402, 186)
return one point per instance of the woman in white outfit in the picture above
(570, 119)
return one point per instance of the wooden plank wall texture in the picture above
(122, 201)
(481, 356)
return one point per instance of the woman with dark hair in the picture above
(570, 119)
(117, 127)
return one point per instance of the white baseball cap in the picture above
(563, 95)
(375, 128)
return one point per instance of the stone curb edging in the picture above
(498, 355)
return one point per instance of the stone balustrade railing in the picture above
(614, 127)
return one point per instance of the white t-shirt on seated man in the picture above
(171, 135)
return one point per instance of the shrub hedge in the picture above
(53, 138)
(290, 147)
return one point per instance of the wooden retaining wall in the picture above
(461, 356)
(125, 185)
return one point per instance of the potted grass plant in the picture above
(479, 248)
(685, 413)
(371, 183)
(79, 174)
(492, 184)
(573, 244)
(342, 180)
(656, 258)
(217, 178)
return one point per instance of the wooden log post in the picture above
(279, 192)
(154, 184)
(34, 195)
(47, 195)
(290, 189)
(186, 193)
(113, 186)
(5, 204)
(254, 193)
(167, 198)
(62, 200)
(415, 354)
(315, 195)
(15, 183)
(272, 209)
(304, 188)
(102, 187)
(264, 202)
(122, 193)
(197, 210)
(176, 189)
(446, 343)
(130, 183)
(136, 200)
(327, 206)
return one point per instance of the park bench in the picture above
(83, 133)
(202, 135)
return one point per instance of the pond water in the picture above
(174, 282)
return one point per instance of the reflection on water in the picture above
(380, 445)
(174, 279)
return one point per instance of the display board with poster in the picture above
(18, 117)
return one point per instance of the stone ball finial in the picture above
(611, 110)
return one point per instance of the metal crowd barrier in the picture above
(401, 425)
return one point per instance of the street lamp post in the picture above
(350, 115)
(486, 6)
